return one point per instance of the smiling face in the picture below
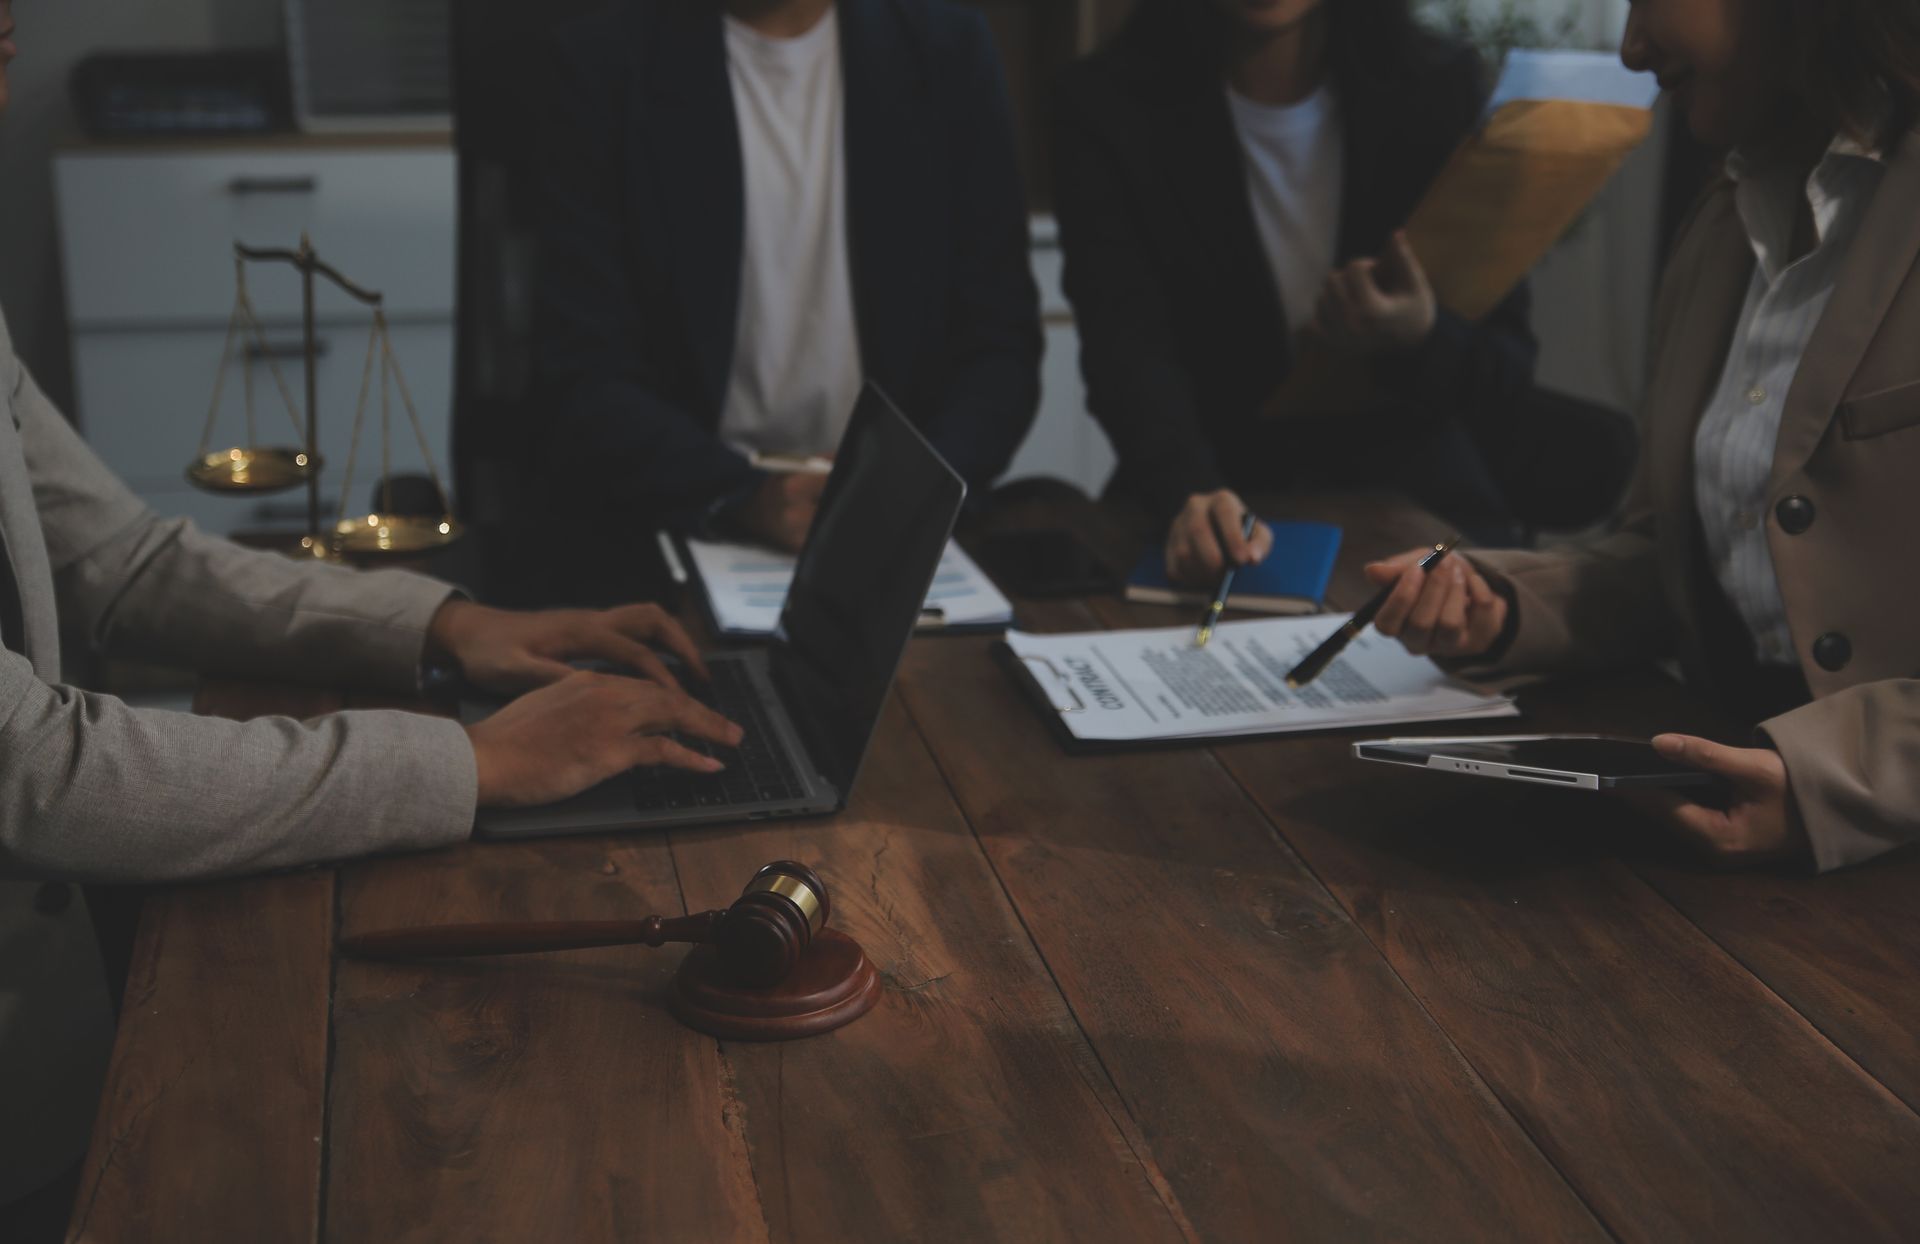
(1723, 62)
(7, 50)
(1265, 17)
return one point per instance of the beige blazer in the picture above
(91, 789)
(1843, 523)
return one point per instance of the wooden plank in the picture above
(967, 1105)
(1843, 949)
(1680, 1095)
(526, 1097)
(1287, 1084)
(210, 1122)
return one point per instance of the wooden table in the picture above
(1248, 992)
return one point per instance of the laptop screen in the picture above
(883, 522)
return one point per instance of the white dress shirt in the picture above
(1734, 446)
(796, 354)
(1295, 159)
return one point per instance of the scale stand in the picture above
(253, 468)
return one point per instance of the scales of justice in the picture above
(257, 467)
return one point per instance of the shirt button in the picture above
(1795, 514)
(1757, 394)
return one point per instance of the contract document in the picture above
(1138, 686)
(746, 587)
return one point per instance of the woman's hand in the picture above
(1759, 825)
(1448, 611)
(1205, 539)
(584, 729)
(507, 653)
(1377, 306)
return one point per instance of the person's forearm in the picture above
(94, 790)
(162, 590)
(1554, 624)
(988, 412)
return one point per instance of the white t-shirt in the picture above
(1296, 158)
(796, 355)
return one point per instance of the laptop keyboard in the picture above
(758, 770)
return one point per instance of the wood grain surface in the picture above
(212, 1115)
(968, 1105)
(1255, 991)
(532, 1096)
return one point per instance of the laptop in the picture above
(809, 701)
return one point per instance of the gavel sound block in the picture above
(765, 969)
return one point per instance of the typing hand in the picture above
(781, 510)
(507, 653)
(1759, 825)
(1205, 538)
(1449, 611)
(1375, 306)
(584, 729)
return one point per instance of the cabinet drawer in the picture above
(147, 237)
(142, 402)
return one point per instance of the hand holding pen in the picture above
(1211, 618)
(1447, 611)
(1205, 538)
(1427, 597)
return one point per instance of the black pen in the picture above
(1212, 617)
(1316, 662)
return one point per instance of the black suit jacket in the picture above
(644, 209)
(1183, 338)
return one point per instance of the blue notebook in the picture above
(1293, 579)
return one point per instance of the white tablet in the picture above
(1579, 761)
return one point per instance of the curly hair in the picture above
(1856, 63)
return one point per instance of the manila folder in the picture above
(1498, 206)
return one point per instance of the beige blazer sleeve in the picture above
(1595, 607)
(93, 789)
(1853, 764)
(161, 590)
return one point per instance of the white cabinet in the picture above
(147, 236)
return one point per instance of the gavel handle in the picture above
(456, 940)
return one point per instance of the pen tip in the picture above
(1293, 684)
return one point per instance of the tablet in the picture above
(1578, 761)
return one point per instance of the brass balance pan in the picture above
(251, 470)
(396, 534)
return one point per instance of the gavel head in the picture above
(775, 919)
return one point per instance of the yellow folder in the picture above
(1501, 203)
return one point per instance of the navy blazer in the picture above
(643, 219)
(1183, 337)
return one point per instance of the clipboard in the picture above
(1104, 673)
(1052, 716)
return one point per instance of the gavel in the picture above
(758, 939)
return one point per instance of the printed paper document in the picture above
(746, 586)
(1142, 685)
